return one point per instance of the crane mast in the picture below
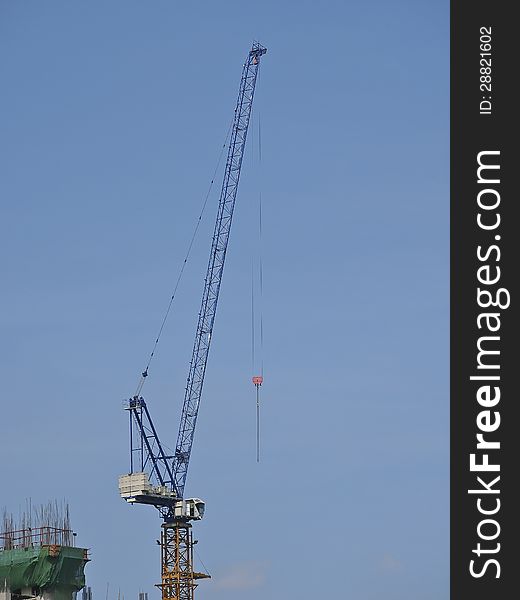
(157, 477)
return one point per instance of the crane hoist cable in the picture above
(144, 374)
(258, 376)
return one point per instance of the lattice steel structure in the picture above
(215, 267)
(168, 470)
(178, 580)
(148, 458)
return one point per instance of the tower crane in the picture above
(157, 477)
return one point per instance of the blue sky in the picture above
(112, 115)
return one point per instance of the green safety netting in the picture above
(43, 567)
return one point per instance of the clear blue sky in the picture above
(111, 119)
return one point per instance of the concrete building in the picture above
(40, 562)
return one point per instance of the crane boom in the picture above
(147, 454)
(217, 258)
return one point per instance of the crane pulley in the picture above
(157, 476)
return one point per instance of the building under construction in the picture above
(38, 556)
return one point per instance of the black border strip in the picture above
(484, 124)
